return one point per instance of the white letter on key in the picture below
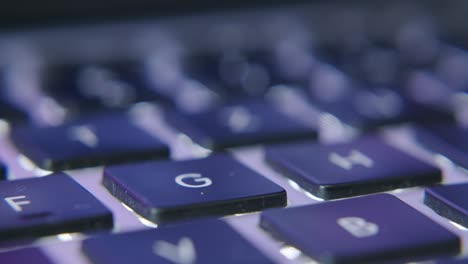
(354, 158)
(16, 205)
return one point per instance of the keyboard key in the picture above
(239, 125)
(369, 109)
(85, 87)
(171, 191)
(49, 205)
(362, 166)
(232, 74)
(448, 140)
(96, 140)
(211, 241)
(29, 255)
(369, 229)
(449, 201)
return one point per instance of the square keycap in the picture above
(49, 205)
(209, 241)
(98, 86)
(361, 166)
(369, 109)
(368, 229)
(449, 201)
(239, 124)
(448, 140)
(168, 191)
(91, 141)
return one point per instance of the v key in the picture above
(182, 253)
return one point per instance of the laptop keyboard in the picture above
(243, 137)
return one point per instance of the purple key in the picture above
(211, 241)
(369, 109)
(171, 191)
(238, 125)
(96, 140)
(362, 166)
(97, 86)
(449, 201)
(369, 229)
(49, 205)
(29, 255)
(449, 140)
(231, 74)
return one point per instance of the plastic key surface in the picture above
(239, 124)
(234, 74)
(369, 229)
(369, 109)
(29, 255)
(98, 86)
(449, 201)
(96, 140)
(49, 205)
(448, 140)
(365, 165)
(171, 191)
(209, 241)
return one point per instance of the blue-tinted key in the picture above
(84, 87)
(449, 201)
(239, 124)
(49, 205)
(211, 241)
(369, 229)
(368, 109)
(170, 191)
(96, 140)
(233, 74)
(29, 255)
(362, 166)
(448, 140)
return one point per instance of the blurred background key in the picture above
(89, 141)
(98, 86)
(448, 140)
(239, 124)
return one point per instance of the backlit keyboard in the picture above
(321, 133)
